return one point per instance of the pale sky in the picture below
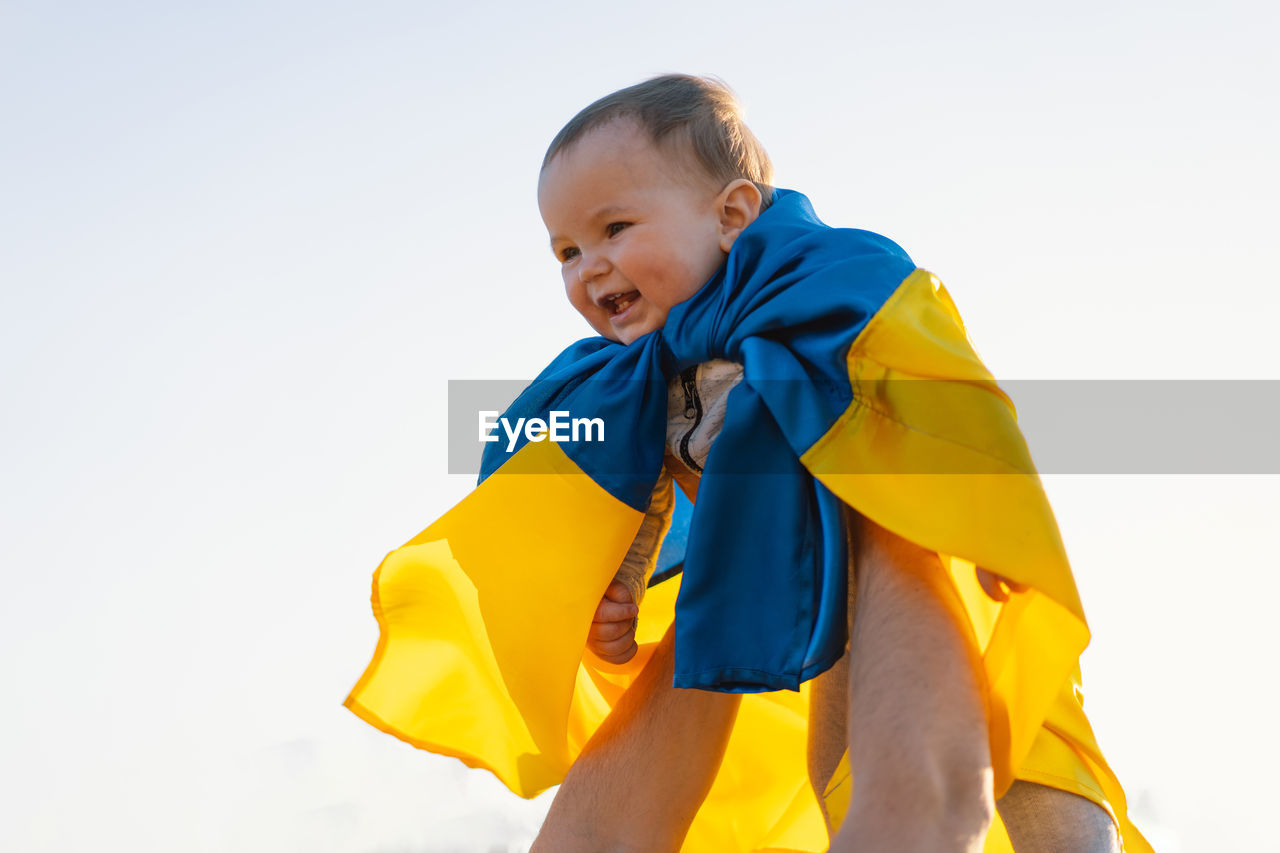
(243, 247)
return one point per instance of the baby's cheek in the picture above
(659, 317)
(585, 308)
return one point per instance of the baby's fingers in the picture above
(619, 592)
(603, 632)
(615, 611)
(610, 611)
(613, 629)
(620, 650)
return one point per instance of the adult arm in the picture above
(917, 718)
(641, 778)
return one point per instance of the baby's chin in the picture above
(632, 335)
(626, 336)
(608, 332)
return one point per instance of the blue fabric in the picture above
(762, 603)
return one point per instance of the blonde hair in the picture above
(700, 112)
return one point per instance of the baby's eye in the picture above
(567, 254)
(614, 227)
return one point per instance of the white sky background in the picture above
(243, 247)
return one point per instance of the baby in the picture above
(644, 195)
(637, 230)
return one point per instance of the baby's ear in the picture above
(739, 205)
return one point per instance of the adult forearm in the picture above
(643, 775)
(917, 723)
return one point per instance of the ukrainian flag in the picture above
(484, 615)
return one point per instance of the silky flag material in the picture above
(484, 616)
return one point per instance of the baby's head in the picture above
(643, 194)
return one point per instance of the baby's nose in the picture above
(593, 266)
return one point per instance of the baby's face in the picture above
(634, 236)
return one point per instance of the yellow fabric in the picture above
(1065, 755)
(991, 512)
(491, 670)
(472, 664)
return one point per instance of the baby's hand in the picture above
(613, 629)
(996, 587)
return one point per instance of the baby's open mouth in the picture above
(619, 302)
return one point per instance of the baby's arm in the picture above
(612, 637)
